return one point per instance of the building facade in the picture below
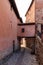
(30, 15)
(8, 29)
(39, 36)
(11, 29)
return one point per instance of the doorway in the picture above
(23, 42)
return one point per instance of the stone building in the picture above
(12, 29)
(35, 15)
(39, 35)
(9, 18)
(39, 11)
(30, 18)
(30, 14)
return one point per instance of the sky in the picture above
(23, 6)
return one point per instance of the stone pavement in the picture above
(22, 57)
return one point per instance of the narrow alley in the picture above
(21, 32)
(23, 57)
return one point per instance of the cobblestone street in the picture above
(22, 58)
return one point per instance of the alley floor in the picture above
(23, 57)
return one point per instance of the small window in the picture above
(23, 30)
(42, 17)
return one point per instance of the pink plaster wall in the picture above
(29, 30)
(8, 28)
(39, 3)
(39, 11)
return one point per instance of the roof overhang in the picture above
(13, 5)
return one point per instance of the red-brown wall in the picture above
(8, 28)
(30, 16)
(29, 31)
(39, 41)
(39, 11)
(28, 34)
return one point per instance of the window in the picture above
(23, 30)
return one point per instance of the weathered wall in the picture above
(29, 31)
(39, 42)
(30, 16)
(42, 37)
(39, 45)
(39, 11)
(39, 50)
(8, 28)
